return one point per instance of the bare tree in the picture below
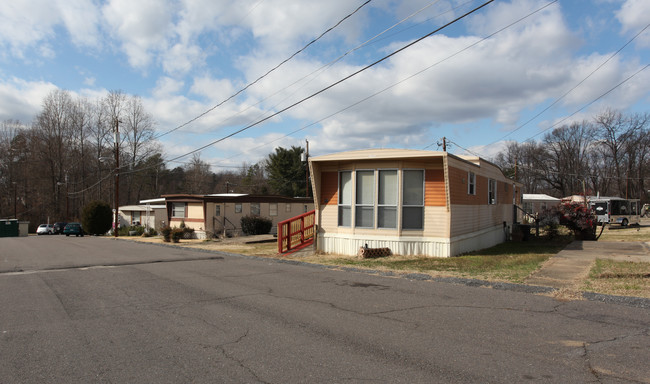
(138, 132)
(624, 140)
(565, 161)
(53, 133)
(197, 175)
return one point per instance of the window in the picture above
(178, 210)
(135, 218)
(217, 210)
(237, 207)
(345, 198)
(492, 191)
(365, 199)
(255, 209)
(387, 199)
(273, 209)
(287, 208)
(413, 199)
(471, 183)
(528, 207)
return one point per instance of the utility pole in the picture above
(444, 144)
(15, 199)
(307, 169)
(116, 137)
(67, 199)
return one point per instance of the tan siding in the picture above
(329, 188)
(471, 218)
(195, 211)
(434, 189)
(329, 217)
(436, 222)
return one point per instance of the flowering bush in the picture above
(580, 219)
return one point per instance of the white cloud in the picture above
(214, 90)
(166, 87)
(633, 16)
(522, 67)
(81, 18)
(21, 100)
(141, 27)
(24, 24)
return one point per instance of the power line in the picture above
(336, 82)
(574, 87)
(593, 101)
(332, 62)
(267, 73)
(331, 85)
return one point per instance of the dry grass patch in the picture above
(631, 233)
(623, 278)
(236, 245)
(510, 262)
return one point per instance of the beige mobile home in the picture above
(413, 202)
(220, 214)
(147, 215)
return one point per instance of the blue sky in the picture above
(185, 57)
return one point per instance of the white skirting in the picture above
(349, 244)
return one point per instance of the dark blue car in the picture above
(73, 229)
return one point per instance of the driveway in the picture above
(570, 266)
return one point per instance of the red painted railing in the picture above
(295, 232)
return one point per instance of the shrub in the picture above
(580, 219)
(188, 233)
(126, 231)
(97, 218)
(177, 234)
(166, 232)
(255, 225)
(549, 221)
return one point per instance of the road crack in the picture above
(222, 348)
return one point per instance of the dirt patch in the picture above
(263, 245)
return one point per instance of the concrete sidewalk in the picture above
(570, 266)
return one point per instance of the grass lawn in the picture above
(511, 261)
(618, 233)
(624, 278)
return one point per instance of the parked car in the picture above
(44, 229)
(58, 228)
(73, 229)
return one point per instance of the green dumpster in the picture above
(9, 228)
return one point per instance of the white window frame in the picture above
(344, 205)
(238, 208)
(287, 208)
(471, 183)
(273, 209)
(133, 217)
(383, 207)
(492, 192)
(217, 210)
(419, 206)
(367, 205)
(176, 210)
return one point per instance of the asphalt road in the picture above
(81, 310)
